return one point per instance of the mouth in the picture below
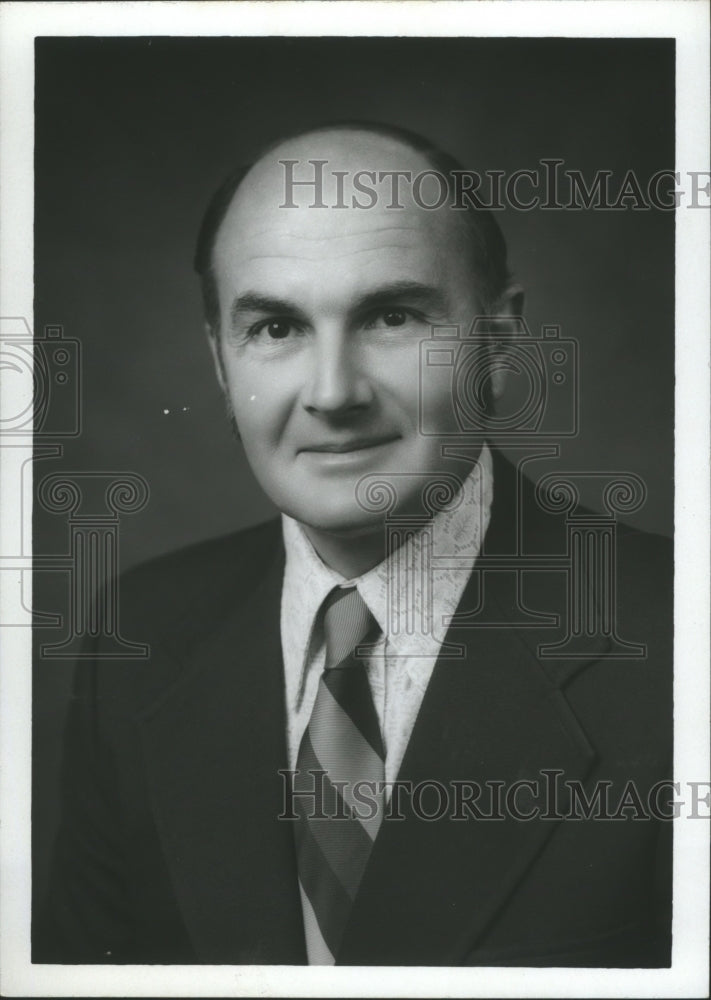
(352, 445)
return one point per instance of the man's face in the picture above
(322, 314)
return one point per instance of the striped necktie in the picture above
(343, 740)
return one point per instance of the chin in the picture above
(353, 526)
(347, 519)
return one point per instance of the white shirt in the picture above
(404, 658)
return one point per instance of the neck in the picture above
(351, 555)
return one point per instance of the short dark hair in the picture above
(485, 236)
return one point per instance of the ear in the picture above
(510, 305)
(213, 340)
(215, 345)
(511, 302)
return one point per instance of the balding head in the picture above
(353, 170)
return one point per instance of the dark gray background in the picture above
(132, 136)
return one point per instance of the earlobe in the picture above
(498, 377)
(509, 305)
(511, 302)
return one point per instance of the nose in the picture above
(337, 382)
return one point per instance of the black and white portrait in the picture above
(352, 501)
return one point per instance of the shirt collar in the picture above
(412, 617)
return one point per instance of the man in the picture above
(337, 748)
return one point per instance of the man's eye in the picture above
(277, 329)
(395, 317)
(273, 329)
(391, 318)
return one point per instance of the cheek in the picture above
(436, 400)
(395, 375)
(260, 395)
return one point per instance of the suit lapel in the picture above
(497, 715)
(214, 745)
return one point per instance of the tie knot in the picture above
(347, 622)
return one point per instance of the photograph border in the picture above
(685, 20)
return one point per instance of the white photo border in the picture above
(688, 22)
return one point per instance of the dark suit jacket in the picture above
(170, 849)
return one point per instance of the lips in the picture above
(352, 444)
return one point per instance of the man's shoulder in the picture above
(169, 606)
(185, 590)
(221, 555)
(645, 545)
(645, 561)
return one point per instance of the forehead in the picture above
(261, 237)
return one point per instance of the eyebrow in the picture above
(251, 302)
(414, 292)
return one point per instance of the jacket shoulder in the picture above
(185, 592)
(645, 573)
(194, 563)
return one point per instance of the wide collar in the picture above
(215, 742)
